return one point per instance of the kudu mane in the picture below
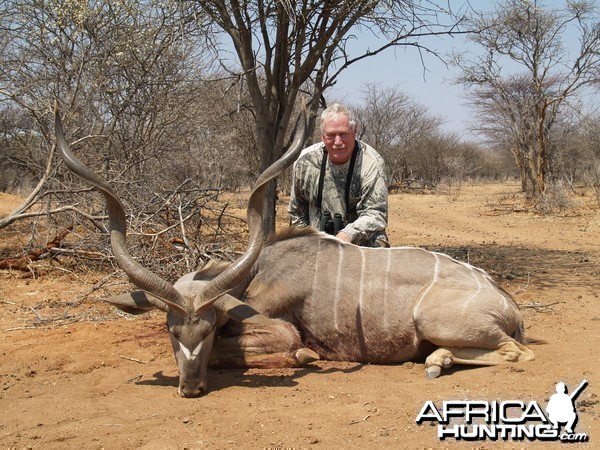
(291, 232)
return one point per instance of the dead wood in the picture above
(23, 262)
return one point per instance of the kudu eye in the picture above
(174, 331)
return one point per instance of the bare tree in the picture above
(521, 109)
(396, 125)
(580, 160)
(115, 71)
(592, 133)
(282, 47)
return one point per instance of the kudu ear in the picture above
(240, 311)
(137, 302)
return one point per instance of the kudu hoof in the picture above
(306, 356)
(433, 372)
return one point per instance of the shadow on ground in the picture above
(538, 267)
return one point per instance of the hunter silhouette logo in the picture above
(473, 420)
(561, 406)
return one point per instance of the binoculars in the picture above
(331, 225)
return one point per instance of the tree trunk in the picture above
(541, 156)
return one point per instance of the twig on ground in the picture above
(539, 307)
(364, 419)
(133, 359)
(40, 318)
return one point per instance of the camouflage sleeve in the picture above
(372, 208)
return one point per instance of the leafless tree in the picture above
(396, 125)
(592, 133)
(580, 153)
(521, 109)
(113, 68)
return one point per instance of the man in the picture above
(341, 175)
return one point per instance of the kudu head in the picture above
(193, 306)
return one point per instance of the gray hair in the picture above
(336, 110)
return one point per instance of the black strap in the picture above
(348, 178)
(321, 180)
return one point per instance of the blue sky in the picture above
(402, 68)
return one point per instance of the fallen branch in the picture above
(79, 253)
(539, 307)
(34, 255)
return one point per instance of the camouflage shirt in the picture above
(366, 214)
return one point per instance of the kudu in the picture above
(305, 295)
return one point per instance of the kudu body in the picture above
(305, 295)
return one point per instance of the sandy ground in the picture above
(74, 374)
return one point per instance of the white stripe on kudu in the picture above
(474, 293)
(361, 296)
(339, 280)
(434, 279)
(385, 288)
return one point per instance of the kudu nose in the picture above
(191, 390)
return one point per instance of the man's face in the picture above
(338, 138)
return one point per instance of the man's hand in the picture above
(343, 237)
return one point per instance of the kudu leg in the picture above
(262, 347)
(445, 357)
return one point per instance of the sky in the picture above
(402, 68)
